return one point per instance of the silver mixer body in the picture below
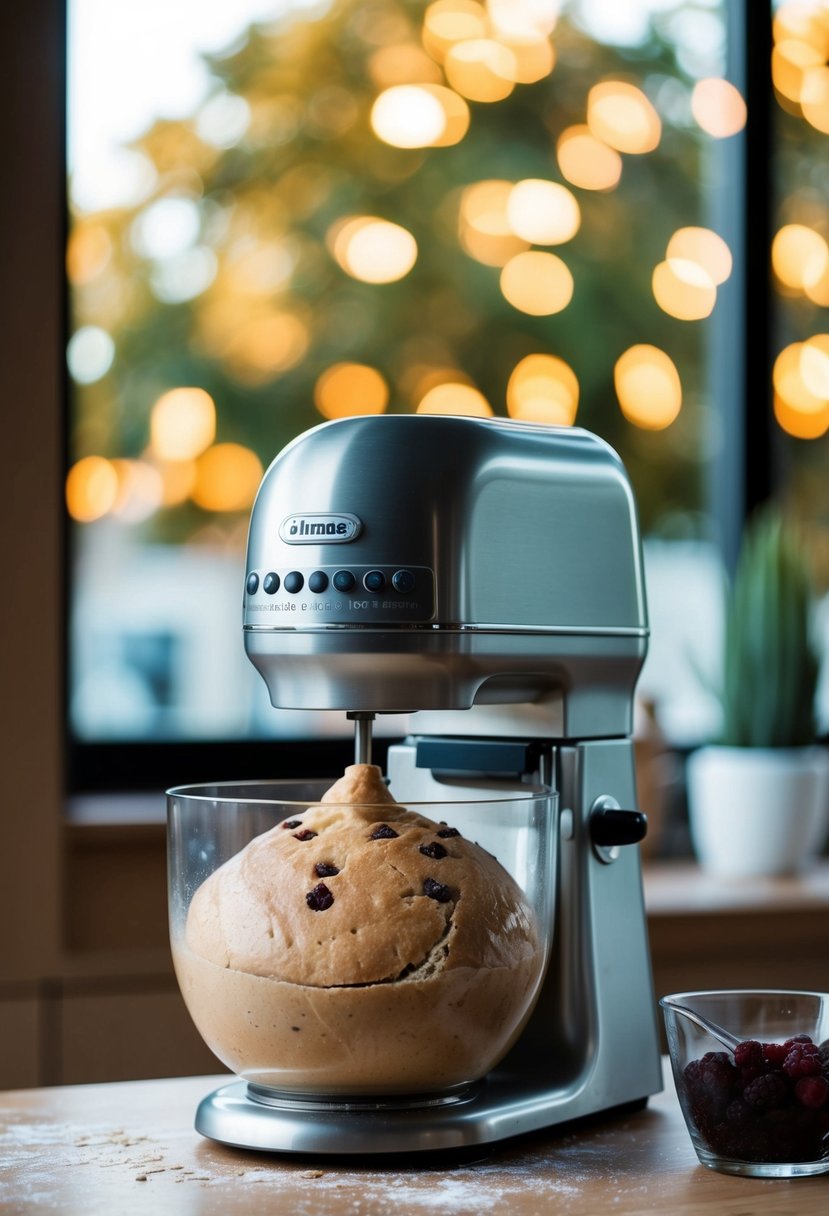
(486, 577)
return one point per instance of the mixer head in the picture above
(401, 563)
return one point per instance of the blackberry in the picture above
(433, 850)
(324, 869)
(436, 890)
(767, 1091)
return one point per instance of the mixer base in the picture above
(496, 1109)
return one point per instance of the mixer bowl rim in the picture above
(198, 793)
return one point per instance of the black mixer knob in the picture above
(611, 827)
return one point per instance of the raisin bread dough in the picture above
(359, 947)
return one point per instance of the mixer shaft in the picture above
(362, 736)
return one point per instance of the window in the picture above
(285, 211)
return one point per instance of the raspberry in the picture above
(717, 1072)
(775, 1053)
(748, 1054)
(291, 823)
(803, 1060)
(767, 1091)
(812, 1091)
(325, 869)
(305, 834)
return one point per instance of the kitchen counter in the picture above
(130, 1147)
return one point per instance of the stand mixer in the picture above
(484, 576)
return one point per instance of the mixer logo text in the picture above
(319, 529)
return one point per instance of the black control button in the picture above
(252, 584)
(318, 582)
(403, 581)
(343, 580)
(270, 583)
(374, 580)
(293, 582)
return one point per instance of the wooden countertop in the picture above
(130, 1148)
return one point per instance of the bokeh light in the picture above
(814, 98)
(648, 387)
(799, 256)
(178, 477)
(586, 161)
(182, 424)
(455, 398)
(89, 354)
(790, 383)
(227, 478)
(91, 489)
(791, 60)
(481, 69)
(536, 283)
(543, 388)
(484, 227)
(620, 114)
(347, 389)
(799, 423)
(373, 250)
(267, 346)
(455, 115)
(408, 116)
(88, 251)
(804, 21)
(683, 289)
(542, 212)
(140, 491)
(718, 106)
(704, 247)
(814, 365)
(447, 22)
(403, 63)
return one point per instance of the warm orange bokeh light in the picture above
(267, 346)
(88, 251)
(586, 161)
(91, 489)
(799, 256)
(454, 398)
(182, 424)
(621, 115)
(347, 389)
(543, 388)
(481, 69)
(447, 22)
(178, 477)
(536, 283)
(799, 424)
(648, 387)
(542, 212)
(484, 228)
(795, 389)
(814, 365)
(683, 289)
(804, 22)
(373, 250)
(791, 60)
(718, 107)
(814, 98)
(227, 478)
(403, 63)
(704, 247)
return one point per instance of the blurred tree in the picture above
(250, 303)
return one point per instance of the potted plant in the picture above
(758, 799)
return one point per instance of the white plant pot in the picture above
(757, 811)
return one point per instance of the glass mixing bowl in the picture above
(240, 937)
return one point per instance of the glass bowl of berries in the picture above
(752, 1075)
